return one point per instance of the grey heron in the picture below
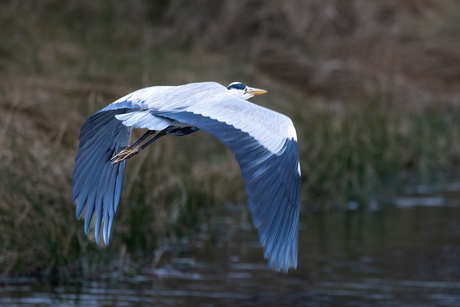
(264, 143)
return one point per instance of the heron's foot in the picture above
(125, 153)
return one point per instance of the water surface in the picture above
(403, 254)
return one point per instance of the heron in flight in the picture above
(264, 143)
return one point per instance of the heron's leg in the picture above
(136, 148)
(156, 137)
(142, 138)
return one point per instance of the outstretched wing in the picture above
(265, 145)
(97, 185)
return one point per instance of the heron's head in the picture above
(242, 91)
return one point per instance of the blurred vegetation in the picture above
(372, 87)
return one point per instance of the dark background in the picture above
(372, 87)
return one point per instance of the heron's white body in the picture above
(213, 100)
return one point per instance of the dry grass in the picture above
(371, 87)
(333, 49)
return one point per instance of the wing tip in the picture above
(277, 264)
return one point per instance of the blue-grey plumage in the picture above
(264, 143)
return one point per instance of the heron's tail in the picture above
(97, 185)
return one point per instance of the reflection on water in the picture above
(407, 254)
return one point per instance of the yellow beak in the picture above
(255, 91)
